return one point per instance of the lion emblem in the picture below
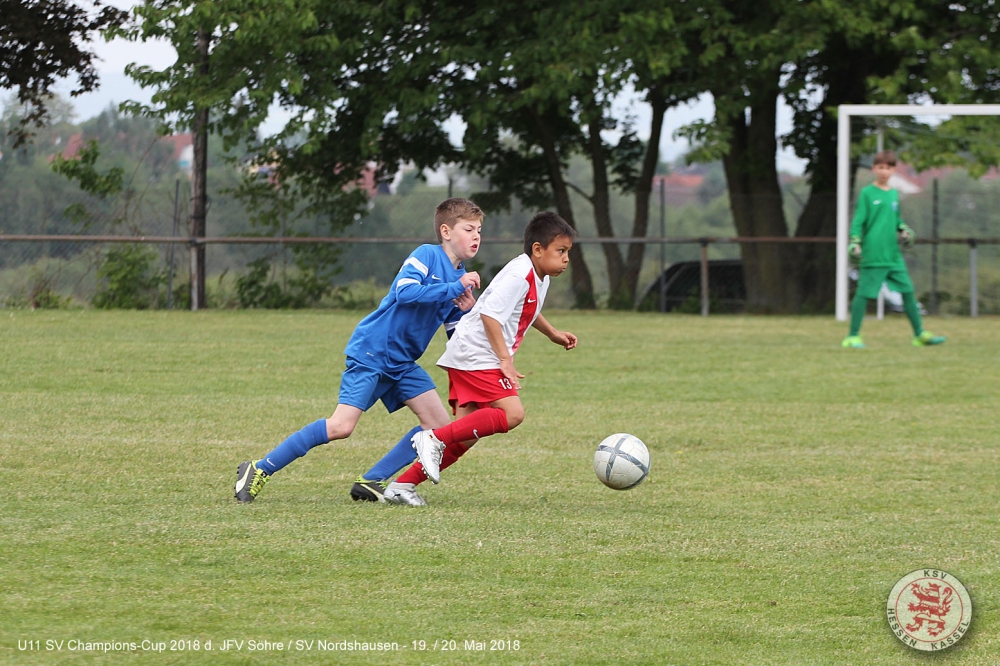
(933, 604)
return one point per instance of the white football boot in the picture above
(429, 450)
(403, 493)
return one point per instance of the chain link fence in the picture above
(692, 262)
(689, 275)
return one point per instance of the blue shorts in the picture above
(362, 387)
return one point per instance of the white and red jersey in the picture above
(514, 298)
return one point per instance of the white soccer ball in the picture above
(621, 461)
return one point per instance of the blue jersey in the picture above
(419, 301)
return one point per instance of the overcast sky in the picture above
(116, 87)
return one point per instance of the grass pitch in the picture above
(792, 483)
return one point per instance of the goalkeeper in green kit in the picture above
(876, 234)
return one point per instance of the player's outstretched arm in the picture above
(562, 338)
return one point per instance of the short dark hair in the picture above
(544, 228)
(885, 157)
(450, 211)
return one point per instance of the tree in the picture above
(35, 199)
(554, 95)
(374, 83)
(234, 58)
(44, 40)
(754, 43)
(817, 56)
(857, 46)
(531, 98)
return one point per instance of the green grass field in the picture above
(792, 484)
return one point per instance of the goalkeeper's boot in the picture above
(853, 342)
(368, 491)
(403, 493)
(429, 450)
(927, 339)
(249, 481)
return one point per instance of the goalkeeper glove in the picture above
(854, 249)
(905, 235)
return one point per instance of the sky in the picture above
(116, 87)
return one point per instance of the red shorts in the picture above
(479, 387)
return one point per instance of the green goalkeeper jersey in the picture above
(876, 221)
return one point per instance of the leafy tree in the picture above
(555, 94)
(374, 83)
(32, 197)
(132, 142)
(234, 58)
(81, 168)
(817, 56)
(532, 98)
(117, 195)
(42, 41)
(46, 139)
(713, 185)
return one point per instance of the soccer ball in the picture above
(621, 461)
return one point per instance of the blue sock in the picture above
(399, 457)
(296, 446)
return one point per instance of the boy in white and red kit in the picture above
(479, 358)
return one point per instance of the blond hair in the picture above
(450, 211)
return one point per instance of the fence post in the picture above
(663, 246)
(935, 228)
(704, 276)
(973, 284)
(193, 243)
(170, 261)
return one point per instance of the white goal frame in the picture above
(844, 114)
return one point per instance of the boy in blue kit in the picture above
(432, 288)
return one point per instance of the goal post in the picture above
(844, 114)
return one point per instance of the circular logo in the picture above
(929, 609)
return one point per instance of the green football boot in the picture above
(364, 490)
(852, 342)
(927, 339)
(249, 481)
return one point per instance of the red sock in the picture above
(415, 475)
(452, 453)
(478, 424)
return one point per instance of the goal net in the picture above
(846, 113)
